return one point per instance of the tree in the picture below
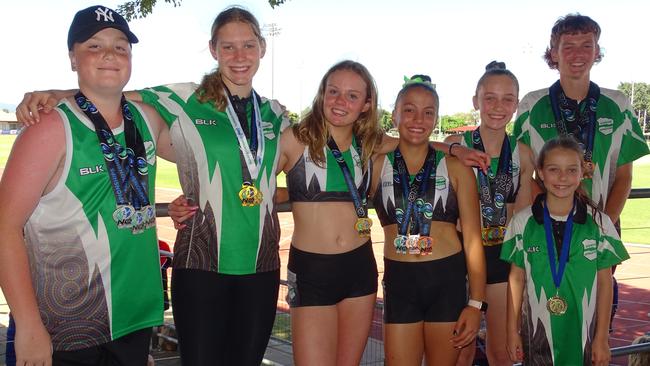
(141, 8)
(293, 117)
(385, 120)
(639, 94)
(449, 122)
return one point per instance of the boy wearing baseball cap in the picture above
(83, 281)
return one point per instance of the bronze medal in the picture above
(493, 235)
(588, 168)
(556, 305)
(363, 226)
(426, 245)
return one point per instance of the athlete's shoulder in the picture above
(278, 108)
(522, 216)
(616, 96)
(183, 90)
(533, 97)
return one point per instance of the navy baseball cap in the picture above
(91, 20)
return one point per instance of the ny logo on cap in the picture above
(106, 13)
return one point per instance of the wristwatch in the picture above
(480, 305)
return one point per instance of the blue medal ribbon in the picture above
(359, 195)
(583, 126)
(417, 204)
(493, 195)
(557, 271)
(127, 167)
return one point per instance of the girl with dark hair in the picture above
(504, 189)
(419, 195)
(560, 283)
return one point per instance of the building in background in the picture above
(8, 123)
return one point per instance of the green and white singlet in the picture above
(223, 236)
(94, 282)
(309, 182)
(442, 193)
(560, 339)
(618, 138)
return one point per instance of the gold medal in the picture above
(588, 168)
(556, 305)
(363, 226)
(493, 235)
(249, 195)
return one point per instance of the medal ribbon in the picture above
(558, 271)
(418, 189)
(127, 168)
(359, 195)
(584, 126)
(501, 185)
(252, 154)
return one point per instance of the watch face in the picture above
(484, 306)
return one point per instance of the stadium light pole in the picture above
(272, 30)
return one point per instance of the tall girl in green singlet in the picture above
(505, 188)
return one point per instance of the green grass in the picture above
(167, 175)
(635, 217)
(6, 141)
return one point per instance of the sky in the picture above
(450, 41)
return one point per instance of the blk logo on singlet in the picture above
(533, 249)
(106, 13)
(91, 170)
(205, 122)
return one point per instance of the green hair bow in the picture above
(418, 80)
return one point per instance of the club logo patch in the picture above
(441, 183)
(590, 249)
(605, 125)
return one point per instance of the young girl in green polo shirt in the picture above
(560, 284)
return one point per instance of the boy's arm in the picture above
(33, 163)
(619, 192)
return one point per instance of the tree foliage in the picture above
(141, 8)
(639, 94)
(293, 117)
(458, 120)
(385, 120)
(449, 122)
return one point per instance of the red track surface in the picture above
(631, 321)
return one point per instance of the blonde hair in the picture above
(211, 87)
(640, 358)
(312, 130)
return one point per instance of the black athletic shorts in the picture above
(325, 279)
(129, 350)
(497, 270)
(432, 291)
